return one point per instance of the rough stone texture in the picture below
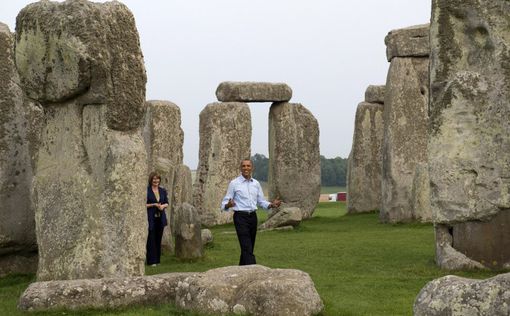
(375, 94)
(182, 192)
(101, 293)
(207, 236)
(253, 290)
(164, 139)
(284, 216)
(447, 257)
(456, 296)
(469, 148)
(82, 61)
(188, 235)
(420, 194)
(19, 123)
(229, 91)
(412, 41)
(405, 135)
(294, 167)
(365, 160)
(85, 51)
(225, 139)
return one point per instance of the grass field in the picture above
(359, 266)
(324, 190)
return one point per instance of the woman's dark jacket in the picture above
(152, 211)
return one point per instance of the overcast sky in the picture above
(327, 51)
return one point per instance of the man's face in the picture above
(246, 169)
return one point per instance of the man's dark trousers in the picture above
(246, 228)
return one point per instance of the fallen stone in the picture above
(230, 91)
(101, 293)
(456, 296)
(412, 41)
(284, 216)
(253, 290)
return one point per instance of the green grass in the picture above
(359, 266)
(330, 190)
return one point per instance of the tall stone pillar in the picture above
(225, 139)
(164, 139)
(294, 164)
(405, 121)
(19, 127)
(365, 159)
(469, 148)
(82, 61)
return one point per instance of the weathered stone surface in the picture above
(182, 192)
(469, 148)
(225, 139)
(188, 235)
(164, 139)
(207, 236)
(101, 293)
(85, 51)
(230, 91)
(294, 167)
(420, 194)
(375, 94)
(89, 192)
(456, 296)
(284, 216)
(82, 61)
(365, 160)
(412, 41)
(254, 290)
(447, 257)
(405, 135)
(18, 124)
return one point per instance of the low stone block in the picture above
(230, 91)
(456, 296)
(254, 290)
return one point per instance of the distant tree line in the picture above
(333, 170)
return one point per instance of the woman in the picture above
(157, 201)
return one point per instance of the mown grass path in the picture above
(359, 266)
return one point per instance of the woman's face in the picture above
(155, 181)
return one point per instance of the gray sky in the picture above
(327, 51)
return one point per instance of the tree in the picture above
(261, 165)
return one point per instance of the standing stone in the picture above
(188, 234)
(420, 194)
(83, 62)
(294, 164)
(225, 140)
(164, 139)
(182, 192)
(229, 91)
(365, 160)
(405, 132)
(18, 126)
(469, 148)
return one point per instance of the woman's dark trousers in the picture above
(154, 242)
